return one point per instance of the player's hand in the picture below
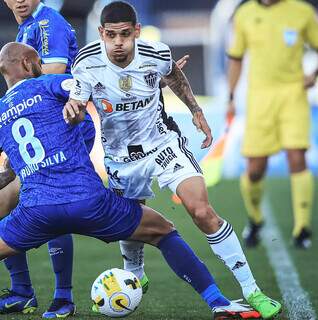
(201, 124)
(310, 81)
(231, 110)
(182, 61)
(73, 112)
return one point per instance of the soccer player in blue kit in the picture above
(54, 39)
(61, 193)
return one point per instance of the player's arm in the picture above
(7, 175)
(53, 68)
(234, 73)
(179, 84)
(311, 37)
(180, 63)
(235, 53)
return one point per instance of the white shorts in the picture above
(170, 164)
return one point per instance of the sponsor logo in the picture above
(44, 25)
(15, 110)
(125, 83)
(177, 167)
(78, 88)
(55, 251)
(147, 65)
(96, 67)
(160, 126)
(165, 157)
(107, 106)
(113, 175)
(238, 265)
(10, 305)
(128, 97)
(126, 106)
(67, 84)
(151, 79)
(99, 87)
(137, 153)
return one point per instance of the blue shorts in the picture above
(107, 217)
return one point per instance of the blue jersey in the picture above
(50, 35)
(48, 155)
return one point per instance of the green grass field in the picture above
(168, 297)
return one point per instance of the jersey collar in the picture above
(132, 64)
(15, 85)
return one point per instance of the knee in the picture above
(159, 232)
(203, 215)
(255, 175)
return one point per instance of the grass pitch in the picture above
(168, 297)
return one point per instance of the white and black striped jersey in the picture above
(128, 100)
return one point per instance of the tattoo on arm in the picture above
(179, 84)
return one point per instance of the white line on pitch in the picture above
(296, 299)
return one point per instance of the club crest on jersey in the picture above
(125, 83)
(290, 37)
(151, 79)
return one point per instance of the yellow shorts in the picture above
(277, 118)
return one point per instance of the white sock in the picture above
(226, 246)
(133, 254)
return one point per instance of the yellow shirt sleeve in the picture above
(237, 44)
(311, 31)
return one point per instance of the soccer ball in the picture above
(116, 293)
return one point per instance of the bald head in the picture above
(19, 61)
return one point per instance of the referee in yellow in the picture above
(274, 33)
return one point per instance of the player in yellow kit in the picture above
(274, 33)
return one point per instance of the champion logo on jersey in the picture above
(151, 79)
(99, 87)
(125, 83)
(177, 167)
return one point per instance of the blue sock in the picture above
(19, 272)
(183, 261)
(61, 252)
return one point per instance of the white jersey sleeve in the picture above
(82, 86)
(160, 53)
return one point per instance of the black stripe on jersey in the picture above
(189, 155)
(164, 53)
(168, 121)
(92, 50)
(90, 46)
(143, 46)
(84, 56)
(154, 56)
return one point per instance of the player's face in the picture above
(119, 40)
(22, 8)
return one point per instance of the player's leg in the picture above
(9, 197)
(302, 188)
(21, 291)
(252, 189)
(154, 229)
(20, 297)
(133, 256)
(223, 242)
(132, 181)
(61, 253)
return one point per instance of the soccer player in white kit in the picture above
(122, 74)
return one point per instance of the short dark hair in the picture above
(118, 11)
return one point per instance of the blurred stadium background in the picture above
(201, 29)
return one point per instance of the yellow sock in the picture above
(302, 188)
(252, 193)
